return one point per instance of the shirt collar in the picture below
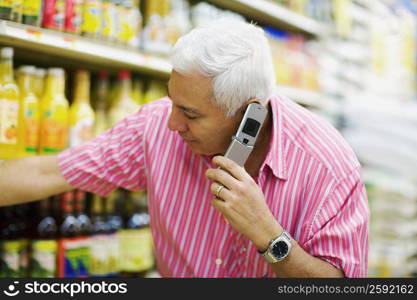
(276, 157)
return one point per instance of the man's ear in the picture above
(245, 106)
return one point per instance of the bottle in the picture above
(99, 260)
(10, 246)
(29, 119)
(155, 90)
(135, 241)
(108, 20)
(21, 212)
(100, 101)
(85, 229)
(73, 16)
(39, 84)
(9, 106)
(68, 248)
(53, 14)
(114, 225)
(81, 113)
(31, 12)
(17, 11)
(54, 114)
(44, 244)
(91, 25)
(6, 8)
(123, 105)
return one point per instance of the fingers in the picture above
(218, 192)
(230, 166)
(222, 177)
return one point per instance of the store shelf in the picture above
(274, 15)
(78, 48)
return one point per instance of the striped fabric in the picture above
(310, 179)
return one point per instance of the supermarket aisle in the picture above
(72, 69)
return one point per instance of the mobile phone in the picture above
(244, 140)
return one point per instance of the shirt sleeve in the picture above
(339, 232)
(113, 159)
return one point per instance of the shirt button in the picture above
(244, 249)
(218, 261)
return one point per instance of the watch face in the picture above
(280, 249)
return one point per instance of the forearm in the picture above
(301, 264)
(31, 178)
(298, 263)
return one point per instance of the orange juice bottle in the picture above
(54, 114)
(101, 95)
(29, 112)
(81, 113)
(123, 104)
(9, 106)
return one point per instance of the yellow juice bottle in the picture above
(9, 106)
(123, 104)
(81, 113)
(156, 90)
(101, 95)
(29, 113)
(54, 114)
(39, 84)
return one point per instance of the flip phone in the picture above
(244, 140)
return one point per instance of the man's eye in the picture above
(190, 117)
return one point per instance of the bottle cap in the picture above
(124, 74)
(103, 74)
(7, 52)
(56, 71)
(27, 69)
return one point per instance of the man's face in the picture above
(201, 124)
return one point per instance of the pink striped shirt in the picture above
(310, 178)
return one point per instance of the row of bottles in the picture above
(115, 21)
(74, 235)
(36, 120)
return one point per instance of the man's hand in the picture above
(242, 202)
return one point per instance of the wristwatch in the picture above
(278, 248)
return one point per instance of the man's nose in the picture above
(176, 122)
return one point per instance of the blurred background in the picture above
(70, 69)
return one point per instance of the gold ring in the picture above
(219, 189)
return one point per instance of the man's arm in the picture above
(30, 178)
(244, 208)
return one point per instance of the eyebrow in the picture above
(185, 108)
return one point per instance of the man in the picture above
(298, 208)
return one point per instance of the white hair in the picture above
(235, 54)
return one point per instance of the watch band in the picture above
(269, 256)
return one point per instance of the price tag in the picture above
(33, 35)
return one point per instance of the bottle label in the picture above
(81, 131)
(73, 15)
(136, 250)
(10, 261)
(53, 14)
(99, 260)
(31, 8)
(8, 126)
(91, 17)
(73, 257)
(54, 133)
(31, 121)
(43, 259)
